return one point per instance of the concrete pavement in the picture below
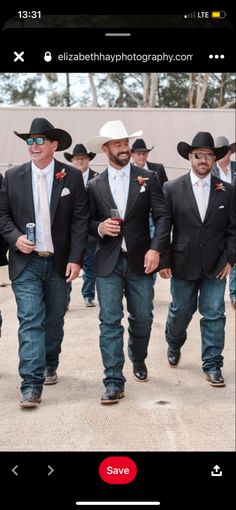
(176, 410)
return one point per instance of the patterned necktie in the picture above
(44, 212)
(201, 199)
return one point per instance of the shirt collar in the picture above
(48, 169)
(85, 174)
(144, 166)
(194, 178)
(219, 167)
(113, 171)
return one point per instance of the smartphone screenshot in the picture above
(117, 382)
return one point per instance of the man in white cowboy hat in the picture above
(126, 256)
(80, 159)
(226, 170)
(50, 195)
(200, 211)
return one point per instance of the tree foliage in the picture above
(123, 90)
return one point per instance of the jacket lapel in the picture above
(26, 173)
(212, 197)
(188, 193)
(134, 189)
(105, 191)
(216, 171)
(57, 187)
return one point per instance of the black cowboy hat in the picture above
(79, 149)
(41, 126)
(222, 140)
(140, 146)
(202, 140)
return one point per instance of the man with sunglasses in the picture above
(200, 215)
(52, 196)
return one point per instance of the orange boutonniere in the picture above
(219, 186)
(60, 175)
(142, 180)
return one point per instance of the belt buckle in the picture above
(44, 253)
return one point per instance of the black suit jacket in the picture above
(136, 221)
(3, 243)
(69, 215)
(160, 171)
(199, 248)
(91, 175)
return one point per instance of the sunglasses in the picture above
(40, 140)
(204, 155)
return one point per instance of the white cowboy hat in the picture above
(112, 130)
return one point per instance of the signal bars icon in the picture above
(206, 15)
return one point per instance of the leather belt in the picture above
(43, 253)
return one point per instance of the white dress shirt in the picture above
(144, 166)
(112, 173)
(85, 177)
(207, 180)
(49, 173)
(225, 177)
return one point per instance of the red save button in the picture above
(117, 470)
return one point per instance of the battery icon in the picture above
(218, 14)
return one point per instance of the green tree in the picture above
(21, 88)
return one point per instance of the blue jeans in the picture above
(41, 296)
(208, 295)
(232, 284)
(89, 273)
(138, 292)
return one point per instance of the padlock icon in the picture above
(47, 56)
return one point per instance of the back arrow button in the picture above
(14, 470)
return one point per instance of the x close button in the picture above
(117, 470)
(19, 56)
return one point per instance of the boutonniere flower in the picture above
(60, 175)
(219, 186)
(142, 180)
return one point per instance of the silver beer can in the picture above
(31, 232)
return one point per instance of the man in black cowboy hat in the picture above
(52, 196)
(80, 159)
(226, 170)
(139, 152)
(200, 214)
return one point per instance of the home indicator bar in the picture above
(118, 503)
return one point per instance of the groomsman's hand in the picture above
(109, 227)
(225, 271)
(72, 271)
(166, 273)
(24, 245)
(151, 261)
